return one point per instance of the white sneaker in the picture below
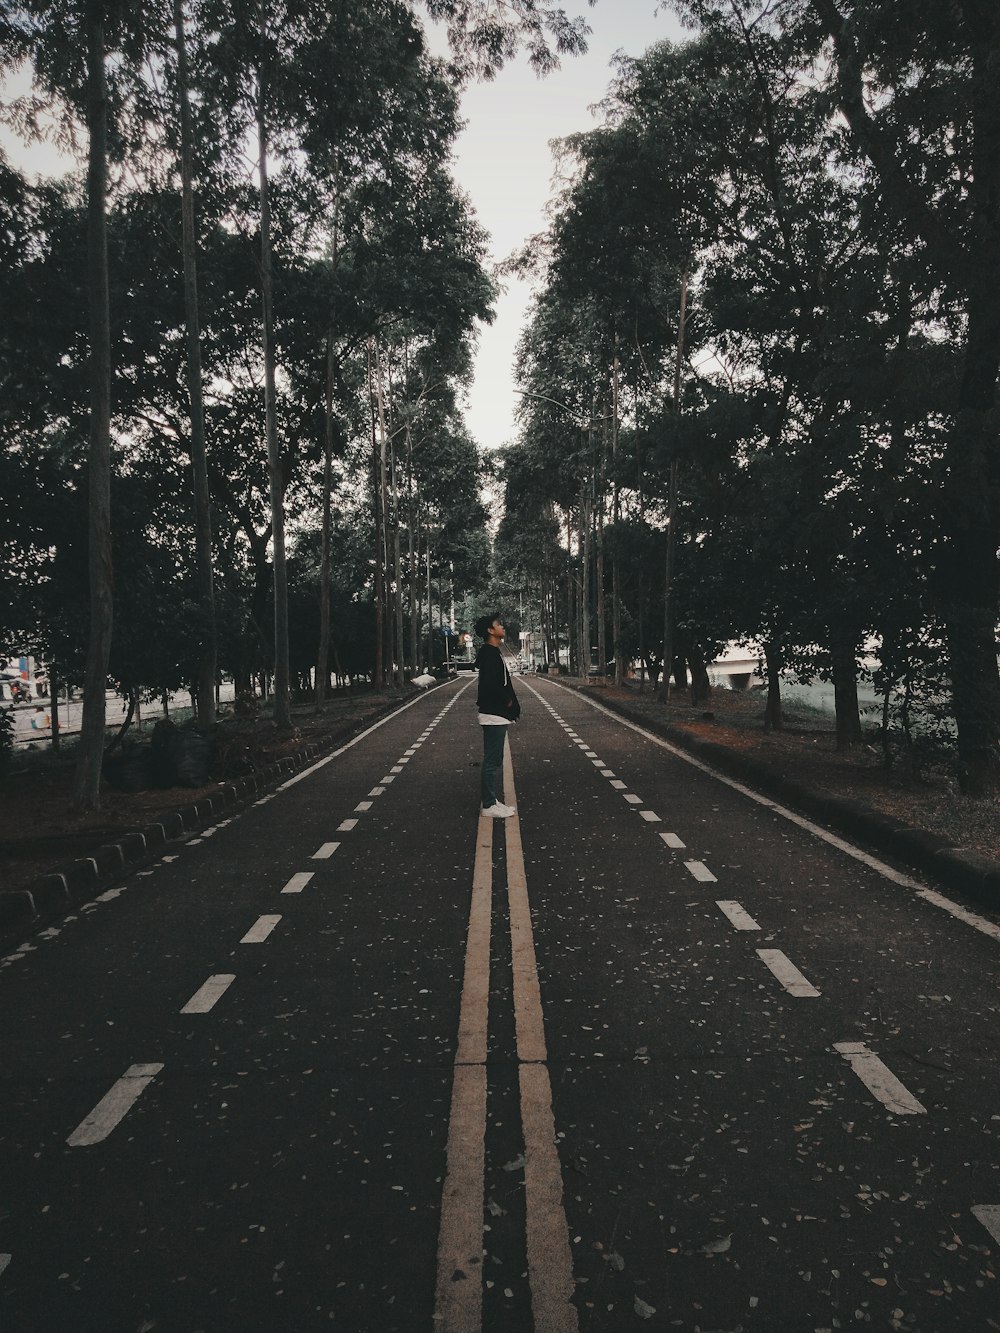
(498, 811)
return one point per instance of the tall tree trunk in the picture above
(383, 487)
(282, 698)
(616, 589)
(199, 459)
(602, 629)
(583, 541)
(970, 571)
(379, 681)
(668, 609)
(323, 650)
(773, 720)
(87, 779)
(843, 648)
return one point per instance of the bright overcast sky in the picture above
(505, 163)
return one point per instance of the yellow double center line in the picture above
(459, 1302)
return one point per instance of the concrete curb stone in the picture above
(81, 880)
(962, 870)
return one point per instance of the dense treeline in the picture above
(760, 376)
(233, 352)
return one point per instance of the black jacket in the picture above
(496, 689)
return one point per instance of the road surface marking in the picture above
(633, 799)
(389, 777)
(377, 791)
(619, 785)
(598, 763)
(325, 852)
(550, 1262)
(405, 759)
(700, 871)
(988, 1214)
(346, 826)
(878, 1079)
(990, 928)
(321, 763)
(672, 840)
(591, 754)
(113, 1106)
(411, 752)
(607, 773)
(459, 1300)
(362, 806)
(205, 999)
(787, 973)
(396, 768)
(298, 882)
(5, 1261)
(260, 930)
(650, 816)
(740, 918)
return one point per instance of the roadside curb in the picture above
(81, 880)
(959, 868)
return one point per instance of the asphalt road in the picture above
(650, 1055)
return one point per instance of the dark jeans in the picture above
(493, 739)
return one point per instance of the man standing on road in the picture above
(498, 708)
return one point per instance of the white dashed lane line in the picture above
(298, 882)
(880, 1081)
(260, 930)
(5, 1261)
(325, 852)
(113, 1106)
(619, 785)
(650, 816)
(362, 806)
(740, 918)
(700, 871)
(672, 840)
(346, 825)
(787, 973)
(207, 997)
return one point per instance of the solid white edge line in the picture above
(787, 973)
(207, 996)
(113, 1106)
(989, 1215)
(931, 896)
(880, 1081)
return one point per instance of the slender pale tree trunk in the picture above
(383, 489)
(323, 651)
(602, 633)
(199, 457)
(379, 682)
(323, 648)
(616, 587)
(668, 610)
(87, 779)
(282, 699)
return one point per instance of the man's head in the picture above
(490, 628)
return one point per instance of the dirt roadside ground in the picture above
(38, 835)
